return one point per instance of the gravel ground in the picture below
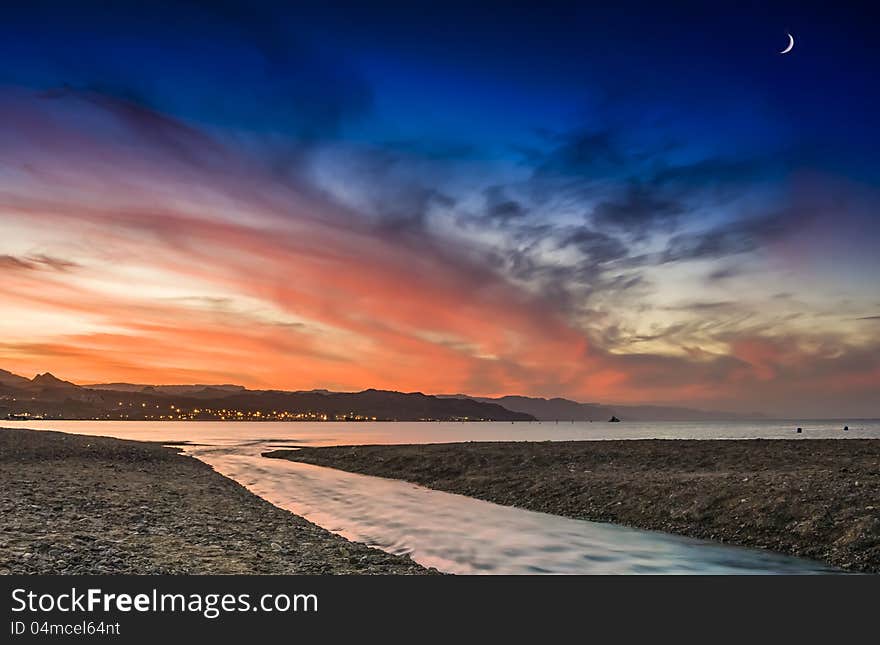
(73, 504)
(817, 499)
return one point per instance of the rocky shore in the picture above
(75, 504)
(817, 499)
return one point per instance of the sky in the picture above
(639, 204)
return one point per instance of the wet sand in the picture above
(817, 499)
(74, 504)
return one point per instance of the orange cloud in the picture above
(179, 261)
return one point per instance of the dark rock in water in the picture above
(799, 430)
(613, 420)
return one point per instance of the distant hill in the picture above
(53, 398)
(555, 409)
(187, 390)
(12, 380)
(568, 410)
(48, 381)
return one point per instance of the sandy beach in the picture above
(76, 504)
(817, 499)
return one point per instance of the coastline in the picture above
(814, 498)
(76, 504)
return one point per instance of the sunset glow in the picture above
(322, 229)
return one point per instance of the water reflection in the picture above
(459, 534)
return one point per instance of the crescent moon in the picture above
(790, 45)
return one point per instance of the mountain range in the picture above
(558, 409)
(50, 397)
(46, 396)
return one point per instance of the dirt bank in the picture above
(817, 499)
(88, 505)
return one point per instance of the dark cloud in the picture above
(585, 153)
(392, 186)
(182, 142)
(638, 210)
(567, 285)
(501, 208)
(600, 248)
(35, 263)
(14, 263)
(562, 286)
(733, 238)
(641, 185)
(406, 209)
(724, 273)
(704, 306)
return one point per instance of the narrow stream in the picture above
(458, 534)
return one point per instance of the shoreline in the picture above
(812, 498)
(78, 505)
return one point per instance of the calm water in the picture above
(455, 533)
(335, 434)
